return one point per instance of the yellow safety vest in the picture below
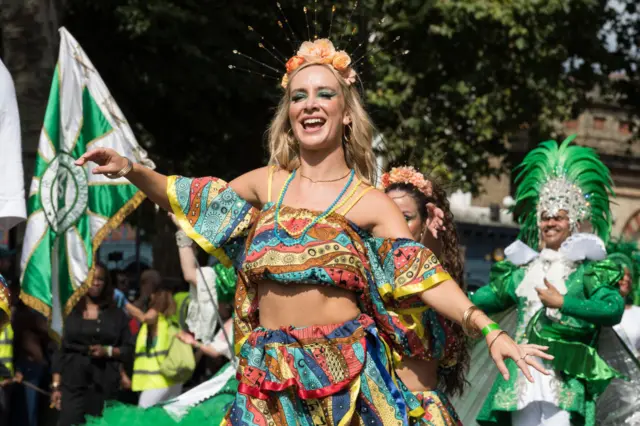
(179, 318)
(146, 366)
(6, 347)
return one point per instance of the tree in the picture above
(624, 41)
(477, 73)
(461, 81)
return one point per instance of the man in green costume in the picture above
(562, 285)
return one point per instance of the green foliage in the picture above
(469, 76)
(464, 78)
(166, 64)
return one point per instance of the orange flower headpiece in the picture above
(409, 175)
(321, 51)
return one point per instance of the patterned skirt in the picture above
(438, 410)
(319, 375)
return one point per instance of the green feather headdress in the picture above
(627, 255)
(566, 177)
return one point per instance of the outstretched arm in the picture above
(152, 183)
(248, 186)
(447, 298)
(150, 317)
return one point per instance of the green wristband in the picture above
(489, 328)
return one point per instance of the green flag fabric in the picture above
(70, 210)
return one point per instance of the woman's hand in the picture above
(125, 382)
(435, 220)
(186, 338)
(108, 161)
(120, 298)
(56, 399)
(550, 296)
(501, 346)
(97, 351)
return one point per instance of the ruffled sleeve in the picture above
(401, 270)
(602, 303)
(405, 269)
(213, 215)
(499, 294)
(605, 273)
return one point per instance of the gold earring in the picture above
(344, 134)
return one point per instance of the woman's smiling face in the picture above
(317, 108)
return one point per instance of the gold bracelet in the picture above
(496, 338)
(123, 172)
(467, 327)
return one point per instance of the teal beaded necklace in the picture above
(318, 218)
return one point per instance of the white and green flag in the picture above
(70, 210)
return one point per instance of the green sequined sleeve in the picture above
(499, 294)
(602, 304)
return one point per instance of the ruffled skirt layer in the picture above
(331, 375)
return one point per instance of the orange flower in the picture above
(409, 175)
(293, 63)
(319, 51)
(285, 81)
(341, 61)
(327, 51)
(385, 180)
(308, 49)
(349, 76)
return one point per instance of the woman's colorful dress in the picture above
(338, 374)
(334, 374)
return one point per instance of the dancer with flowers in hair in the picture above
(441, 374)
(325, 259)
(564, 293)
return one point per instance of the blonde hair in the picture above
(358, 147)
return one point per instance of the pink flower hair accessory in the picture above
(408, 175)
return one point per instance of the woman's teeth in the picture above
(313, 122)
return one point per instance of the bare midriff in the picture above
(419, 375)
(302, 305)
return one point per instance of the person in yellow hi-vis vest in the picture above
(152, 347)
(6, 371)
(6, 352)
(179, 318)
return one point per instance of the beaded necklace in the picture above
(318, 218)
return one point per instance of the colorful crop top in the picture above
(387, 274)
